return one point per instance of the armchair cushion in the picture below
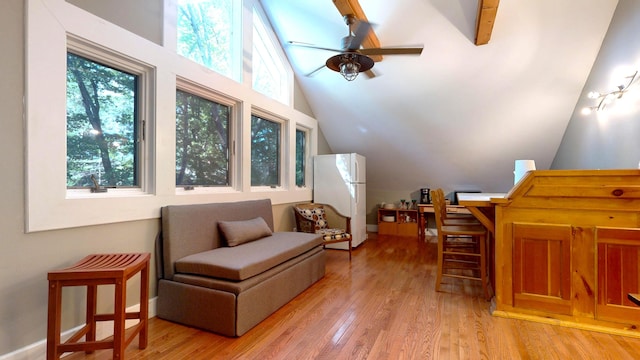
(333, 234)
(316, 215)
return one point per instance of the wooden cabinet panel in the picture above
(408, 229)
(387, 228)
(542, 266)
(583, 272)
(618, 256)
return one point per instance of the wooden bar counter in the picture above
(568, 249)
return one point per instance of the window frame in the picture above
(307, 157)
(283, 150)
(196, 89)
(144, 98)
(146, 84)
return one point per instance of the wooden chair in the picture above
(461, 248)
(449, 218)
(312, 218)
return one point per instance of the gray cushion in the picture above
(243, 231)
(190, 229)
(249, 259)
(238, 287)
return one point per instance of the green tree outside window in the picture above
(202, 141)
(205, 33)
(102, 125)
(265, 152)
(301, 144)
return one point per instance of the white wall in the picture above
(610, 140)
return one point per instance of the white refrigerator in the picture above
(340, 181)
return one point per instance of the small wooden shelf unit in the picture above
(405, 222)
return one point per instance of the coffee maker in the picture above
(425, 196)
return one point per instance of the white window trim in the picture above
(52, 30)
(49, 23)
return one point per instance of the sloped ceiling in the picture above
(458, 115)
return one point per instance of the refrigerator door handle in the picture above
(357, 179)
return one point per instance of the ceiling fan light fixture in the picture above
(349, 70)
(349, 64)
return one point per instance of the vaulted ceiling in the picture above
(458, 115)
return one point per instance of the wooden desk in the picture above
(482, 207)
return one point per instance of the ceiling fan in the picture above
(352, 59)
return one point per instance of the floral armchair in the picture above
(312, 218)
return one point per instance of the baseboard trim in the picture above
(104, 329)
(567, 323)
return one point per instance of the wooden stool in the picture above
(94, 270)
(461, 247)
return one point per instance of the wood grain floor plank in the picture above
(382, 305)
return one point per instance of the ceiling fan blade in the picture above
(360, 33)
(392, 51)
(311, 46)
(315, 71)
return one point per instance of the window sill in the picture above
(110, 193)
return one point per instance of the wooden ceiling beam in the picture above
(352, 7)
(487, 10)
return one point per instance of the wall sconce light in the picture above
(604, 99)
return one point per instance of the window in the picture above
(209, 34)
(270, 76)
(202, 141)
(301, 156)
(265, 152)
(102, 125)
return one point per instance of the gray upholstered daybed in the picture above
(205, 283)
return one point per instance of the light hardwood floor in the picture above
(383, 305)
